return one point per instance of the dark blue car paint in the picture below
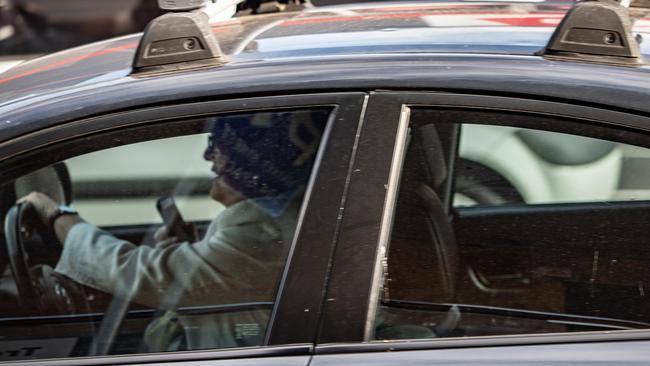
(615, 87)
(271, 55)
(95, 80)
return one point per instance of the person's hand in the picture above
(44, 206)
(162, 238)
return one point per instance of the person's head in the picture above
(262, 154)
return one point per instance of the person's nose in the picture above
(208, 154)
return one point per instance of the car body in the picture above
(549, 266)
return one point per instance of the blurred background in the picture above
(44, 26)
(30, 28)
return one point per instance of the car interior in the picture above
(500, 268)
(46, 312)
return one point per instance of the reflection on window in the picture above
(204, 276)
(504, 268)
(514, 165)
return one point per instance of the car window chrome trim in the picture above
(399, 152)
(485, 341)
(169, 357)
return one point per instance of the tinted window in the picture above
(573, 260)
(209, 281)
(502, 164)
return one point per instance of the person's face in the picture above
(220, 191)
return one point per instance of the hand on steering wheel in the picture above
(40, 290)
(42, 205)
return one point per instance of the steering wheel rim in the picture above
(14, 230)
(40, 290)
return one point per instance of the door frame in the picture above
(291, 330)
(354, 287)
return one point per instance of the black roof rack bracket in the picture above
(598, 32)
(177, 41)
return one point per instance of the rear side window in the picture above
(509, 230)
(127, 277)
(500, 164)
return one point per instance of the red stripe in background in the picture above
(298, 21)
(127, 46)
(528, 22)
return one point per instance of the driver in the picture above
(261, 163)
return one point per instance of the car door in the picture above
(491, 230)
(113, 168)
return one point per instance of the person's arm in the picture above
(239, 262)
(45, 208)
(63, 224)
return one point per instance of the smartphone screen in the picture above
(173, 220)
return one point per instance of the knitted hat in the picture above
(268, 154)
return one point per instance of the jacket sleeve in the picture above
(238, 262)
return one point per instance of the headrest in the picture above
(432, 153)
(53, 180)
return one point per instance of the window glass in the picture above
(502, 164)
(573, 259)
(135, 275)
(128, 179)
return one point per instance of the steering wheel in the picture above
(40, 290)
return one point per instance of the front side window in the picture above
(163, 238)
(504, 230)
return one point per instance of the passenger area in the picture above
(500, 268)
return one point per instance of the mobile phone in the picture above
(173, 220)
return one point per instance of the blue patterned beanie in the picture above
(269, 155)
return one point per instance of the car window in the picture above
(126, 280)
(572, 260)
(500, 164)
(128, 179)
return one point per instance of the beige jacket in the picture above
(239, 260)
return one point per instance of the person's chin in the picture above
(215, 190)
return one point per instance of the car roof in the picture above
(327, 35)
(515, 28)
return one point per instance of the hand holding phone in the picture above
(173, 220)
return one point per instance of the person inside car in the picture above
(262, 163)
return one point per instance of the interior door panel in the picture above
(584, 259)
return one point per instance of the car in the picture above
(476, 188)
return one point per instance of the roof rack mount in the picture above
(181, 5)
(178, 40)
(598, 32)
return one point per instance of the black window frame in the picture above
(366, 226)
(294, 320)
